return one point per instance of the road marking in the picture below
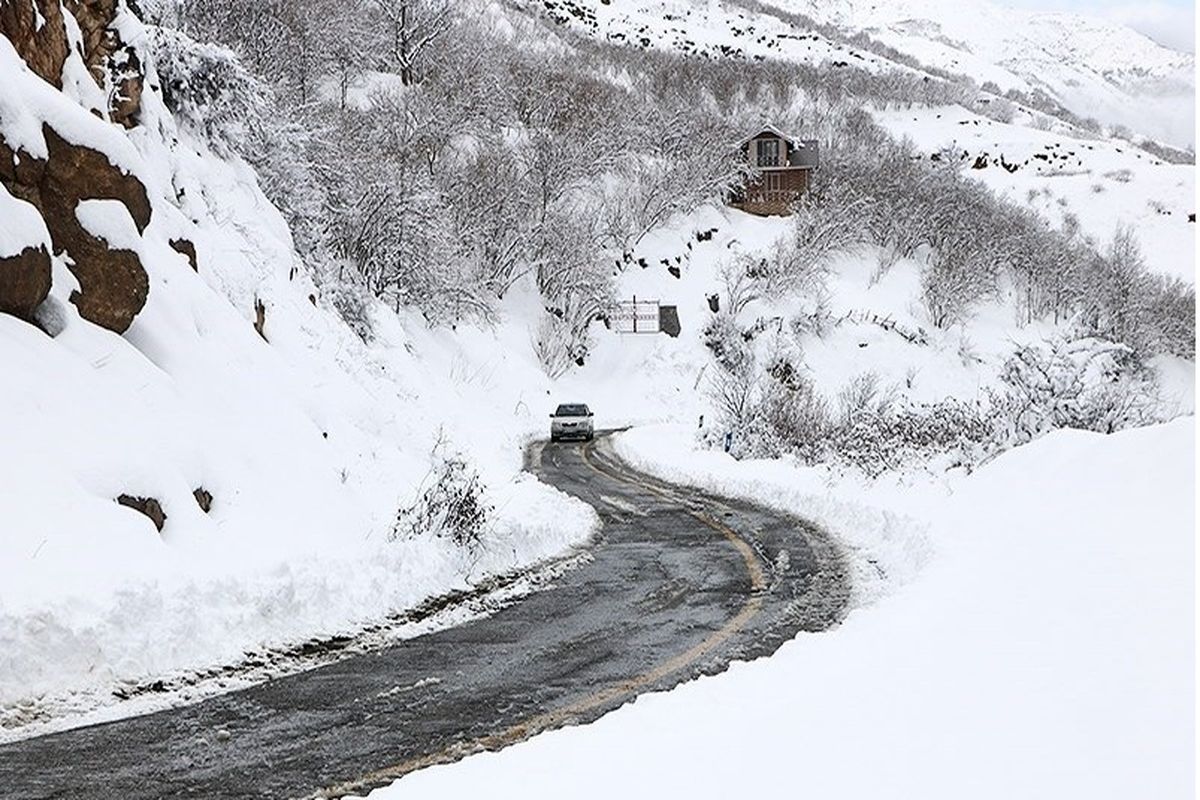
(561, 716)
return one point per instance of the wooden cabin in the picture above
(782, 171)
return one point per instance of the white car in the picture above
(571, 420)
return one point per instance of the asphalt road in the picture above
(680, 584)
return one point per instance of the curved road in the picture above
(680, 583)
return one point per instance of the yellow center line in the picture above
(560, 716)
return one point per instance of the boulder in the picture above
(38, 34)
(24, 282)
(187, 249)
(204, 499)
(75, 172)
(113, 285)
(260, 319)
(148, 506)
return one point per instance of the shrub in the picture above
(353, 305)
(728, 344)
(206, 87)
(1088, 384)
(452, 505)
(893, 436)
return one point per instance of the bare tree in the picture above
(413, 25)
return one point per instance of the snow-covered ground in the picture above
(1094, 67)
(307, 440)
(1046, 651)
(310, 441)
(1103, 183)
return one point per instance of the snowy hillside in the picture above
(714, 29)
(1100, 183)
(229, 472)
(246, 370)
(1094, 67)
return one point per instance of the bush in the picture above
(1087, 384)
(353, 305)
(892, 437)
(453, 505)
(728, 345)
(206, 87)
(791, 416)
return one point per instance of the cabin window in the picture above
(768, 152)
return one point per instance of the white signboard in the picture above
(636, 316)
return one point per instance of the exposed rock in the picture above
(113, 64)
(38, 34)
(187, 248)
(148, 506)
(125, 104)
(24, 282)
(113, 284)
(75, 172)
(260, 318)
(99, 41)
(204, 499)
(21, 174)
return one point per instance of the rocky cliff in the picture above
(52, 171)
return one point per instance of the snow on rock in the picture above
(1046, 651)
(25, 271)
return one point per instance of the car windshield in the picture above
(571, 410)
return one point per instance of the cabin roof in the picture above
(769, 128)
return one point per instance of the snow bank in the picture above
(1046, 652)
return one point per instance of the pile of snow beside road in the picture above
(1046, 651)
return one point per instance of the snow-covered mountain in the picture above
(1094, 67)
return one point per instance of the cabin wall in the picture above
(775, 189)
(752, 149)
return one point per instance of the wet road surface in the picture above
(680, 584)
